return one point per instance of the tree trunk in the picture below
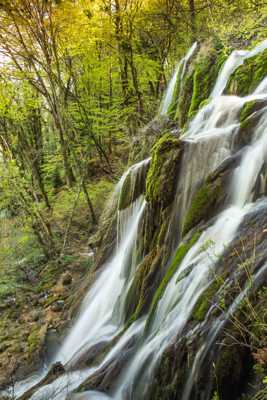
(69, 176)
(136, 83)
(192, 12)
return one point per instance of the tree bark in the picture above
(192, 12)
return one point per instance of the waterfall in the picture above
(208, 141)
(252, 161)
(99, 320)
(236, 59)
(61, 387)
(175, 307)
(182, 292)
(178, 76)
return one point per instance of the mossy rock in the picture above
(198, 83)
(203, 203)
(126, 193)
(205, 75)
(247, 109)
(172, 268)
(249, 75)
(206, 299)
(163, 171)
(34, 340)
(232, 366)
(133, 186)
(144, 285)
(250, 115)
(185, 98)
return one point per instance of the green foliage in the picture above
(20, 257)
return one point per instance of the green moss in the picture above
(139, 292)
(34, 341)
(173, 106)
(185, 98)
(161, 177)
(250, 115)
(202, 83)
(125, 194)
(175, 263)
(249, 75)
(247, 109)
(198, 83)
(205, 300)
(202, 204)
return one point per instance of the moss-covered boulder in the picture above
(248, 76)
(203, 202)
(250, 116)
(144, 285)
(211, 195)
(163, 172)
(174, 264)
(206, 71)
(197, 84)
(133, 186)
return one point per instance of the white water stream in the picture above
(236, 59)
(98, 320)
(179, 73)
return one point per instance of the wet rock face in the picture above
(133, 186)
(248, 76)
(250, 116)
(55, 371)
(211, 195)
(144, 285)
(148, 136)
(163, 172)
(105, 378)
(228, 365)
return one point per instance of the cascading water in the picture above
(180, 296)
(99, 320)
(216, 123)
(207, 142)
(178, 75)
(236, 59)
